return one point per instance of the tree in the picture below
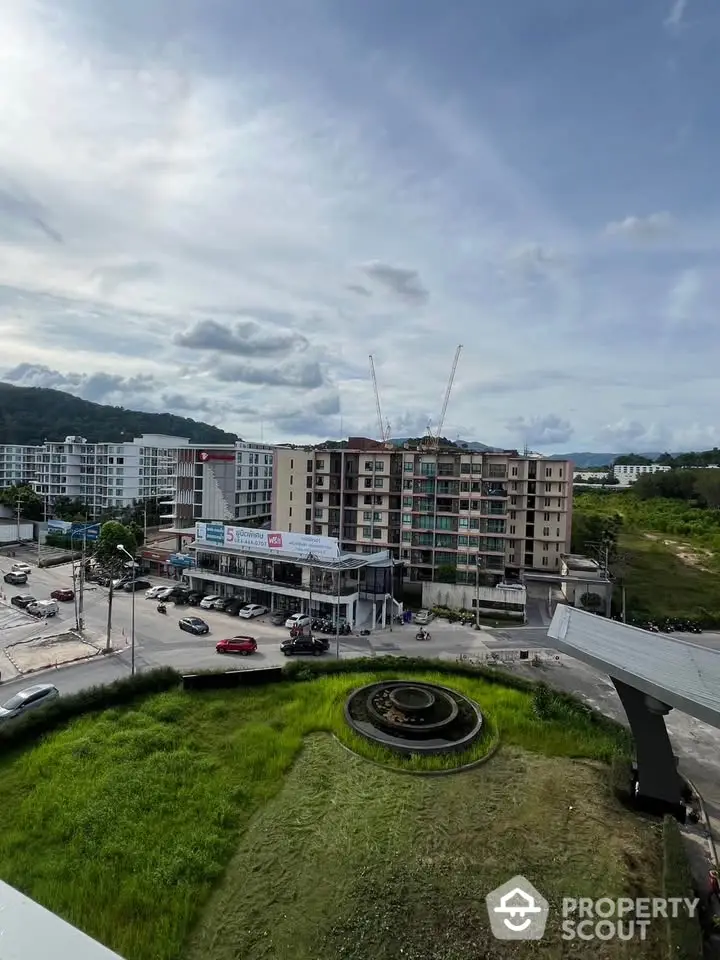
(66, 508)
(591, 530)
(707, 487)
(111, 560)
(446, 573)
(137, 531)
(31, 505)
(591, 601)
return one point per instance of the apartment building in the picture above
(223, 482)
(628, 473)
(501, 513)
(17, 464)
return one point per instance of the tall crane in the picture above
(383, 425)
(441, 421)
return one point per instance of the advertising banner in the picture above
(250, 538)
(85, 531)
(59, 526)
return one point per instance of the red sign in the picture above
(275, 540)
(204, 456)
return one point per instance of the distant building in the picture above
(627, 473)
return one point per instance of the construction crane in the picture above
(383, 425)
(436, 439)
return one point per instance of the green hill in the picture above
(35, 414)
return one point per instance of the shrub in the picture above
(117, 694)
(684, 936)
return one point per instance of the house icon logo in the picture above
(517, 911)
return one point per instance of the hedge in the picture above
(684, 934)
(119, 693)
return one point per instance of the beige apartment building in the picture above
(500, 513)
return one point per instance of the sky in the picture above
(221, 208)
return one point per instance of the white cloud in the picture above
(644, 228)
(238, 232)
(676, 13)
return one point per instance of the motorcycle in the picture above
(422, 635)
(161, 608)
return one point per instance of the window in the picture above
(368, 466)
(464, 504)
(512, 528)
(379, 466)
(368, 481)
(463, 523)
(545, 561)
(409, 466)
(513, 472)
(378, 481)
(513, 501)
(546, 516)
(319, 497)
(377, 534)
(320, 465)
(292, 464)
(407, 484)
(548, 471)
(289, 510)
(546, 532)
(309, 466)
(546, 547)
(465, 468)
(512, 514)
(308, 497)
(308, 514)
(407, 501)
(308, 529)
(318, 513)
(377, 517)
(367, 515)
(407, 518)
(557, 532)
(407, 536)
(367, 531)
(320, 481)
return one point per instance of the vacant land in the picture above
(660, 583)
(196, 825)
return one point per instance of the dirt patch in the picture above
(31, 655)
(698, 557)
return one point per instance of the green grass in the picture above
(125, 822)
(658, 583)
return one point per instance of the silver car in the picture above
(423, 617)
(29, 699)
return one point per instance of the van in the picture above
(43, 608)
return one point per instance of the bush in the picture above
(117, 694)
(684, 936)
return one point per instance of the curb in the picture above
(706, 821)
(54, 666)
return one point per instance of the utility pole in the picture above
(144, 522)
(81, 599)
(18, 505)
(310, 558)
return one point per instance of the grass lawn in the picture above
(195, 825)
(659, 583)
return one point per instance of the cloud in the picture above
(541, 431)
(300, 374)
(359, 289)
(630, 436)
(244, 337)
(676, 13)
(97, 387)
(534, 257)
(683, 297)
(642, 228)
(400, 281)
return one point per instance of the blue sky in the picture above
(222, 207)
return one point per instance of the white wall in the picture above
(464, 596)
(9, 532)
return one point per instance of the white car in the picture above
(28, 699)
(207, 603)
(154, 593)
(22, 567)
(423, 617)
(297, 620)
(251, 610)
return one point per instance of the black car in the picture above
(134, 585)
(194, 597)
(16, 578)
(194, 625)
(22, 600)
(233, 606)
(307, 646)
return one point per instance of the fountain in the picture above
(414, 717)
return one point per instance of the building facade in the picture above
(433, 509)
(17, 464)
(627, 473)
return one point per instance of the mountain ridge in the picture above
(32, 415)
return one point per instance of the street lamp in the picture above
(121, 549)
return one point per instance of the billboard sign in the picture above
(268, 541)
(85, 531)
(205, 457)
(59, 526)
(181, 560)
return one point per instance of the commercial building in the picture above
(627, 473)
(440, 511)
(192, 481)
(292, 572)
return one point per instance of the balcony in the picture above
(446, 505)
(494, 472)
(448, 488)
(489, 509)
(494, 489)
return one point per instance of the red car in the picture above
(64, 594)
(243, 645)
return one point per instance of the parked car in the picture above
(301, 645)
(64, 593)
(194, 597)
(153, 592)
(278, 619)
(16, 578)
(28, 699)
(297, 620)
(22, 600)
(194, 625)
(234, 606)
(252, 610)
(242, 645)
(132, 586)
(208, 602)
(22, 567)
(219, 604)
(120, 582)
(424, 616)
(43, 608)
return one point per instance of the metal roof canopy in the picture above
(30, 932)
(347, 561)
(675, 672)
